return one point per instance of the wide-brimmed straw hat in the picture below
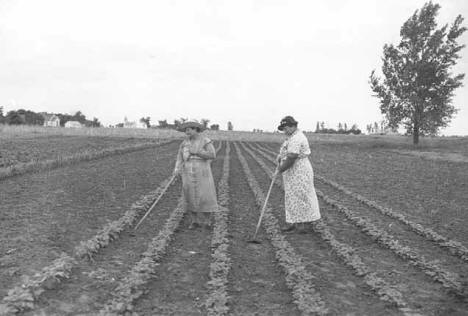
(191, 124)
(287, 121)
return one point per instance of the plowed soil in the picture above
(44, 214)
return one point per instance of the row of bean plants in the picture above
(131, 287)
(448, 279)
(454, 247)
(22, 297)
(347, 254)
(48, 164)
(112, 230)
(217, 300)
(298, 279)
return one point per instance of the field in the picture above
(393, 239)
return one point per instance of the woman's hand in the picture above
(193, 151)
(278, 159)
(288, 163)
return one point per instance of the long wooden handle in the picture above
(155, 202)
(264, 204)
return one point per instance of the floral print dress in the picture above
(301, 204)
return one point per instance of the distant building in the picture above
(51, 120)
(73, 124)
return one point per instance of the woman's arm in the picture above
(288, 162)
(208, 152)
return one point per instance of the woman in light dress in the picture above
(193, 163)
(301, 204)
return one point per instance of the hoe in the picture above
(254, 240)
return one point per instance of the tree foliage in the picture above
(146, 121)
(418, 86)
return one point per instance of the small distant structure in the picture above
(129, 124)
(73, 124)
(51, 120)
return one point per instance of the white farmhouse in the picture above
(51, 120)
(73, 124)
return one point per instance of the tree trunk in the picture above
(416, 133)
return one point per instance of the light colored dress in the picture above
(197, 180)
(301, 204)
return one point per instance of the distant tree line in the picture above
(177, 122)
(342, 128)
(27, 117)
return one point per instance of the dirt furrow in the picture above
(179, 286)
(418, 289)
(44, 214)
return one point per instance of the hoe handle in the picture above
(265, 203)
(155, 202)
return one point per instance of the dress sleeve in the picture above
(294, 145)
(211, 149)
(208, 151)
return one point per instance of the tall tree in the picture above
(418, 87)
(205, 122)
(317, 127)
(163, 123)
(146, 120)
(230, 127)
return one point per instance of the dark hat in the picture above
(191, 124)
(287, 121)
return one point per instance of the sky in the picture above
(248, 62)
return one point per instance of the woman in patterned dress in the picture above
(194, 165)
(301, 204)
